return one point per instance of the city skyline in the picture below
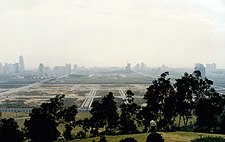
(113, 33)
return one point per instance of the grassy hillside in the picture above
(168, 136)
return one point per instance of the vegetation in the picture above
(9, 131)
(191, 95)
(209, 139)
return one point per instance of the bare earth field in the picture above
(74, 93)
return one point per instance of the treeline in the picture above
(166, 103)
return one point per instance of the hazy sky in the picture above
(177, 33)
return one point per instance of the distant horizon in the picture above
(100, 66)
(113, 32)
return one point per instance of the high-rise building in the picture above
(21, 62)
(143, 66)
(41, 69)
(68, 69)
(17, 68)
(128, 67)
(58, 70)
(1, 69)
(137, 66)
(201, 68)
(6, 70)
(210, 68)
(75, 67)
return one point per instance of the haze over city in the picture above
(112, 33)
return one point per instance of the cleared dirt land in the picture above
(74, 93)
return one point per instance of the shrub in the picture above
(128, 140)
(209, 139)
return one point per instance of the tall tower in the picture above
(21, 62)
(41, 69)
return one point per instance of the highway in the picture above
(14, 90)
(88, 100)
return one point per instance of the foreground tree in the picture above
(184, 97)
(43, 122)
(208, 111)
(160, 97)
(69, 121)
(129, 114)
(104, 113)
(110, 112)
(9, 131)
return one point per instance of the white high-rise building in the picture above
(21, 62)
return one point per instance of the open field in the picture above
(168, 136)
(74, 93)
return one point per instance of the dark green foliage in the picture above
(160, 97)
(110, 112)
(184, 97)
(104, 113)
(69, 121)
(43, 122)
(129, 115)
(67, 133)
(102, 139)
(128, 140)
(209, 139)
(9, 131)
(154, 137)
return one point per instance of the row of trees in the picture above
(43, 123)
(191, 95)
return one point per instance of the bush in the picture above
(209, 139)
(128, 140)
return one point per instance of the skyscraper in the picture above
(21, 62)
(201, 68)
(41, 69)
(128, 67)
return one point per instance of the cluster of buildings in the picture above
(209, 70)
(57, 70)
(138, 66)
(18, 69)
(12, 68)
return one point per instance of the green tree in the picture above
(184, 97)
(110, 112)
(43, 122)
(9, 131)
(69, 121)
(160, 98)
(129, 114)
(208, 110)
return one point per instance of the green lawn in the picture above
(168, 136)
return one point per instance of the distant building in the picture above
(6, 70)
(137, 66)
(201, 68)
(58, 70)
(22, 66)
(1, 69)
(143, 66)
(210, 68)
(17, 68)
(75, 67)
(67, 69)
(128, 67)
(41, 69)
